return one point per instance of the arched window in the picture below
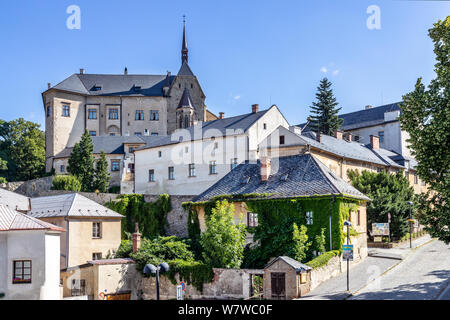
(180, 122)
(186, 121)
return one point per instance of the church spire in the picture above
(184, 49)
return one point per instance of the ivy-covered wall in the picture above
(275, 222)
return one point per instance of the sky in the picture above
(243, 52)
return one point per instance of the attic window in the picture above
(96, 88)
(137, 88)
(246, 180)
(284, 177)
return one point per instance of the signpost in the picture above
(181, 288)
(347, 252)
(380, 229)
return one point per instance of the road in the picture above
(423, 275)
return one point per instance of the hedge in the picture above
(323, 259)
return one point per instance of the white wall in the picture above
(3, 264)
(392, 135)
(51, 289)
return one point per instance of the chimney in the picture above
(375, 142)
(338, 134)
(49, 85)
(136, 239)
(349, 136)
(221, 115)
(125, 72)
(81, 71)
(255, 108)
(368, 107)
(318, 136)
(266, 168)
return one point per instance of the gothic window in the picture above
(180, 122)
(186, 121)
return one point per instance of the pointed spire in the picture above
(184, 49)
(185, 101)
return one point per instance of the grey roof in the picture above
(293, 176)
(298, 266)
(116, 84)
(363, 118)
(233, 125)
(14, 200)
(185, 100)
(347, 149)
(185, 70)
(11, 220)
(69, 205)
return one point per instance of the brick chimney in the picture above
(49, 85)
(255, 108)
(338, 134)
(81, 71)
(375, 142)
(349, 137)
(266, 168)
(368, 107)
(136, 239)
(318, 136)
(221, 115)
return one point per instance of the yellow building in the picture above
(93, 230)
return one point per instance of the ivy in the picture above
(151, 216)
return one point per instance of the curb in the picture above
(392, 267)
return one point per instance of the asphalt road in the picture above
(423, 275)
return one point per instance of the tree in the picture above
(102, 176)
(426, 118)
(324, 114)
(223, 241)
(22, 146)
(390, 193)
(301, 244)
(81, 162)
(319, 242)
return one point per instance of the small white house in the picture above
(29, 257)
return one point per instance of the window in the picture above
(252, 219)
(171, 173)
(139, 114)
(192, 170)
(213, 167)
(138, 134)
(154, 134)
(216, 145)
(186, 121)
(358, 218)
(265, 126)
(186, 149)
(159, 154)
(62, 169)
(154, 115)
(281, 140)
(49, 111)
(21, 271)
(131, 149)
(66, 111)
(92, 114)
(113, 114)
(381, 135)
(96, 230)
(356, 138)
(112, 134)
(93, 133)
(309, 217)
(78, 287)
(151, 175)
(234, 163)
(97, 256)
(115, 165)
(416, 179)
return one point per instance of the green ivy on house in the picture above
(151, 216)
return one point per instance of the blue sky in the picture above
(243, 52)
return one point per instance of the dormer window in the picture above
(137, 88)
(96, 88)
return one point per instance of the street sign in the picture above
(347, 252)
(380, 229)
(183, 285)
(180, 292)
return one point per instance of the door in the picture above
(278, 281)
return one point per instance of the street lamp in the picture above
(410, 223)
(348, 224)
(151, 269)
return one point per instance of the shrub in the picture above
(3, 180)
(323, 259)
(66, 183)
(114, 189)
(301, 244)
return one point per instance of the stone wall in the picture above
(31, 188)
(177, 217)
(332, 269)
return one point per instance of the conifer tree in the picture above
(324, 114)
(102, 176)
(81, 162)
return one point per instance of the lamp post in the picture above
(410, 223)
(348, 224)
(151, 269)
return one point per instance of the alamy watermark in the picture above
(73, 22)
(374, 20)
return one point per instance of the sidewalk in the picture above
(363, 273)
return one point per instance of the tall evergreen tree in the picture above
(324, 114)
(426, 117)
(81, 162)
(102, 176)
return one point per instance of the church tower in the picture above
(186, 97)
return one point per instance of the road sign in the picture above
(180, 292)
(347, 252)
(380, 229)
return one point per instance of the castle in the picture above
(124, 105)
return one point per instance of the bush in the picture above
(3, 180)
(114, 189)
(66, 183)
(323, 259)
(125, 249)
